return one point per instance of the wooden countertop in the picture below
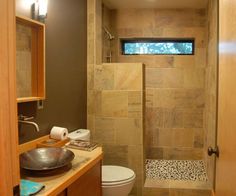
(82, 162)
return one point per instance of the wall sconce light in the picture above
(39, 10)
(43, 8)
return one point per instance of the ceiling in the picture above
(168, 4)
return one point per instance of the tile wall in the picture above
(174, 85)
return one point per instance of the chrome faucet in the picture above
(26, 120)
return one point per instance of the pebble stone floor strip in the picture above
(189, 170)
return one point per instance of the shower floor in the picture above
(183, 170)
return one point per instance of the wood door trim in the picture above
(9, 164)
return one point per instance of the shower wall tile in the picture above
(149, 97)
(172, 77)
(104, 130)
(128, 131)
(163, 138)
(179, 98)
(114, 104)
(90, 77)
(115, 154)
(154, 152)
(154, 117)
(104, 77)
(182, 153)
(198, 138)
(154, 78)
(128, 77)
(193, 118)
(135, 106)
(183, 138)
(174, 84)
(173, 118)
(194, 78)
(163, 61)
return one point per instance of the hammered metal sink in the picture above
(43, 159)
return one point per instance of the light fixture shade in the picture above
(43, 8)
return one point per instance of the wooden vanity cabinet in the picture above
(89, 184)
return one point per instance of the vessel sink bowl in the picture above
(42, 159)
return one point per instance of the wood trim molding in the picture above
(9, 164)
(32, 144)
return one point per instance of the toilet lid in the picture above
(111, 173)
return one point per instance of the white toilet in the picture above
(117, 180)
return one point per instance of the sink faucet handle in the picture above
(25, 118)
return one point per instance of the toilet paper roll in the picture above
(59, 133)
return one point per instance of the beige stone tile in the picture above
(152, 31)
(189, 98)
(104, 77)
(147, 60)
(164, 138)
(198, 138)
(124, 18)
(154, 78)
(127, 58)
(128, 76)
(184, 61)
(201, 57)
(149, 97)
(164, 61)
(90, 76)
(128, 131)
(183, 138)
(182, 153)
(150, 135)
(179, 18)
(104, 130)
(114, 104)
(172, 77)
(135, 104)
(115, 154)
(172, 118)
(194, 78)
(91, 124)
(193, 118)
(97, 103)
(164, 98)
(154, 117)
(98, 32)
(154, 152)
(129, 32)
(90, 102)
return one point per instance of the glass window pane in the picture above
(158, 47)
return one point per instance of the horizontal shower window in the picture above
(149, 46)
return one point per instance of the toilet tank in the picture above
(80, 134)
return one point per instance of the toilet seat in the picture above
(116, 175)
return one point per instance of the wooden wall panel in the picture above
(9, 164)
(226, 164)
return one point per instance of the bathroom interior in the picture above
(155, 113)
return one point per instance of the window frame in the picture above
(158, 40)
